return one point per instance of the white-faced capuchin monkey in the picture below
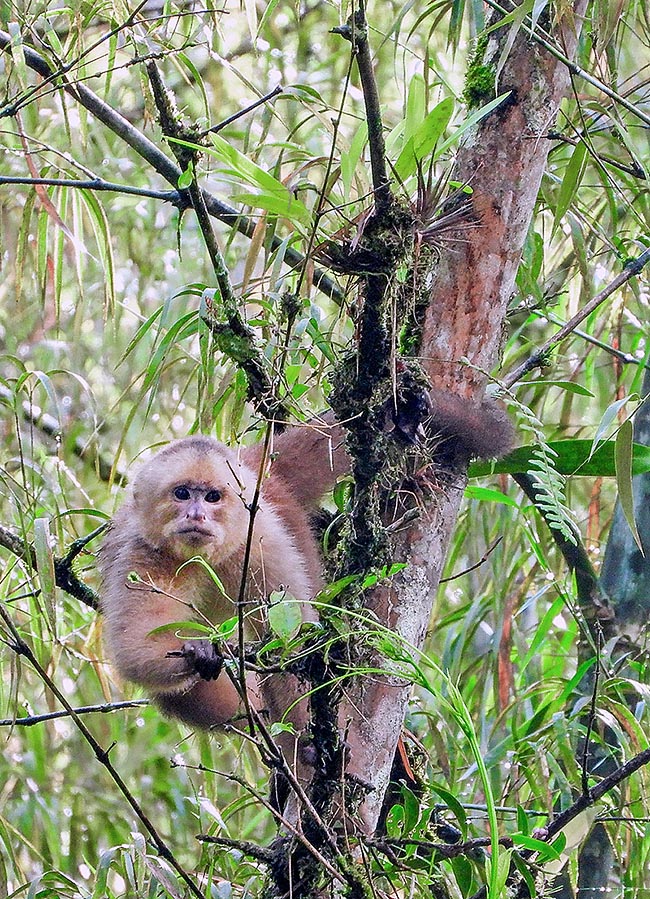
(193, 499)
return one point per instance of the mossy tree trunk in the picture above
(503, 159)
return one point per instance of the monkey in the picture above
(193, 499)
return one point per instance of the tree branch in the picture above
(104, 708)
(539, 357)
(64, 574)
(160, 162)
(22, 648)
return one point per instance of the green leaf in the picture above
(469, 122)
(415, 105)
(570, 183)
(350, 158)
(525, 872)
(186, 177)
(420, 144)
(484, 494)
(545, 849)
(454, 806)
(286, 206)
(241, 165)
(193, 627)
(284, 615)
(574, 457)
(569, 386)
(624, 457)
(609, 415)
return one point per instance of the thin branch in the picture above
(236, 339)
(22, 648)
(442, 850)
(64, 574)
(175, 197)
(583, 802)
(291, 828)
(540, 356)
(634, 170)
(591, 718)
(57, 74)
(486, 555)
(356, 31)
(146, 149)
(595, 793)
(237, 115)
(104, 708)
(626, 358)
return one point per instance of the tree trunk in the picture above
(503, 160)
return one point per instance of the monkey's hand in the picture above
(204, 657)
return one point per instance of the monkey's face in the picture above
(193, 502)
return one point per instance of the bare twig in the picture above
(237, 115)
(356, 31)
(590, 721)
(235, 338)
(104, 708)
(486, 555)
(291, 828)
(174, 197)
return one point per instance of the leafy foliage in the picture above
(105, 352)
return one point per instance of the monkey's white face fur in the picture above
(192, 499)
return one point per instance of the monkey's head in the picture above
(191, 500)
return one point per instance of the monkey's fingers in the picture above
(203, 657)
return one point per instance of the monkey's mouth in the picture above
(196, 534)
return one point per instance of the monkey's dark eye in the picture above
(213, 496)
(181, 493)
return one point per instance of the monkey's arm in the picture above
(309, 458)
(166, 663)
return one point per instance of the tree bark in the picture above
(503, 159)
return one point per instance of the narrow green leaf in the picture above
(350, 158)
(286, 206)
(186, 177)
(485, 495)
(548, 851)
(574, 457)
(570, 183)
(624, 456)
(420, 144)
(609, 415)
(469, 122)
(415, 105)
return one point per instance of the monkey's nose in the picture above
(195, 513)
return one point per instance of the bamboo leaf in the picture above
(574, 457)
(624, 458)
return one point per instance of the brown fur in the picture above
(153, 534)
